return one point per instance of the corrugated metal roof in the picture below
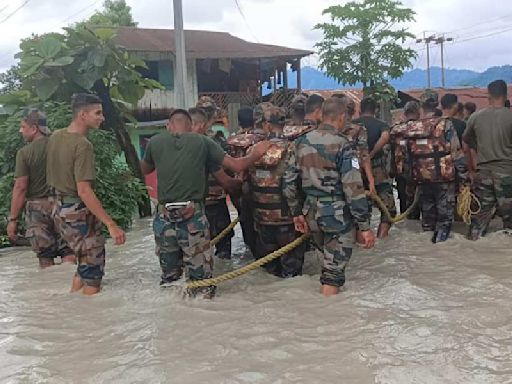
(201, 44)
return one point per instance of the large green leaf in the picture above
(105, 33)
(49, 47)
(30, 65)
(60, 62)
(47, 87)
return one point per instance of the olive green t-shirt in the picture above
(70, 159)
(31, 162)
(489, 131)
(181, 162)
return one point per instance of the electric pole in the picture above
(180, 77)
(427, 41)
(441, 40)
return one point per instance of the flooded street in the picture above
(412, 312)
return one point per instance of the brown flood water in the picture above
(412, 312)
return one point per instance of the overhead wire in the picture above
(239, 7)
(14, 12)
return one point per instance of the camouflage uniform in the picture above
(82, 231)
(44, 239)
(238, 146)
(429, 151)
(183, 243)
(273, 223)
(325, 166)
(494, 191)
(31, 163)
(216, 208)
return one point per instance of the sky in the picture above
(482, 31)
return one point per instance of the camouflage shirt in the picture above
(359, 137)
(323, 163)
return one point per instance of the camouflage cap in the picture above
(207, 104)
(259, 112)
(34, 116)
(429, 95)
(274, 115)
(298, 102)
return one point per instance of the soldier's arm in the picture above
(383, 140)
(19, 193)
(91, 201)
(460, 162)
(353, 188)
(290, 183)
(242, 163)
(364, 158)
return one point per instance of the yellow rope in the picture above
(258, 263)
(464, 202)
(385, 210)
(225, 231)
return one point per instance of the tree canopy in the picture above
(115, 13)
(363, 42)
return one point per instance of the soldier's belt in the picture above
(325, 199)
(69, 199)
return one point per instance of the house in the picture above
(227, 68)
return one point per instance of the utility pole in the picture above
(441, 40)
(427, 41)
(180, 76)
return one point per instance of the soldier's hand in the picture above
(12, 229)
(372, 191)
(261, 148)
(117, 234)
(367, 239)
(300, 224)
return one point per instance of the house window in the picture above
(161, 71)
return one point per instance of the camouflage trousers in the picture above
(270, 238)
(384, 188)
(41, 231)
(82, 232)
(437, 201)
(183, 245)
(494, 191)
(218, 217)
(331, 230)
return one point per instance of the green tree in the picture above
(54, 66)
(10, 79)
(115, 13)
(363, 42)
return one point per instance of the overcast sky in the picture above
(281, 22)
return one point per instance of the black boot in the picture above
(440, 236)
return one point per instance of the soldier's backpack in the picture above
(422, 152)
(239, 144)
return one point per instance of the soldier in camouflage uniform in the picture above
(489, 131)
(297, 110)
(217, 210)
(30, 189)
(238, 146)
(182, 159)
(324, 166)
(312, 117)
(378, 139)
(273, 222)
(77, 212)
(429, 151)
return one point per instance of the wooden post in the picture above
(285, 76)
(299, 77)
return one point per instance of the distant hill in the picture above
(313, 78)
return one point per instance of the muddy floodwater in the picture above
(412, 312)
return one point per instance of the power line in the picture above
(481, 23)
(14, 12)
(483, 36)
(81, 10)
(245, 20)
